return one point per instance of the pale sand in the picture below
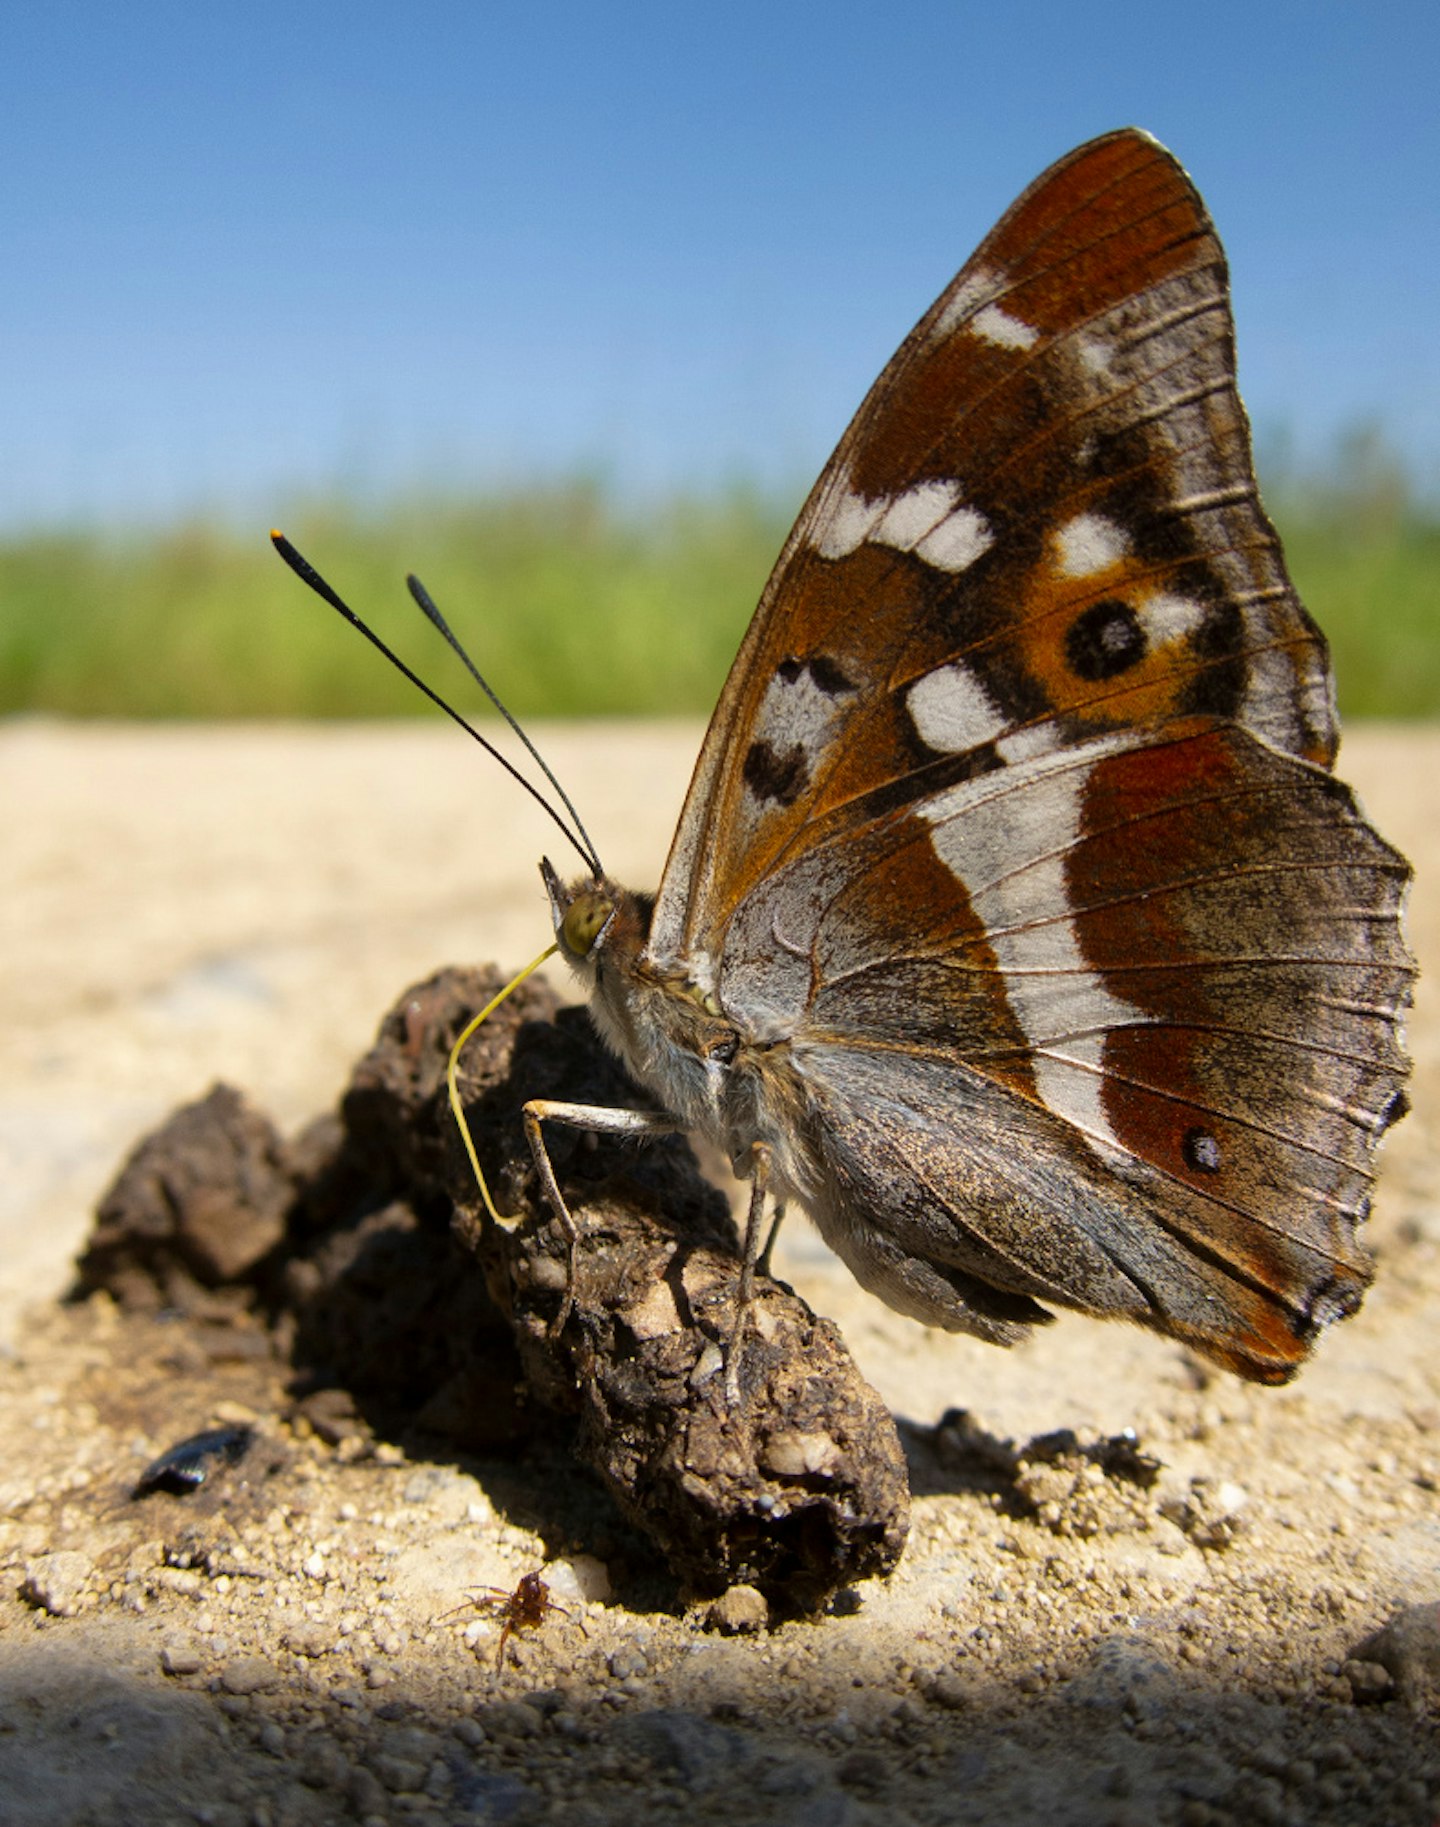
(185, 904)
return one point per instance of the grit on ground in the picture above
(187, 904)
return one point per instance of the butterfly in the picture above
(1015, 926)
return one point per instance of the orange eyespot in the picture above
(584, 920)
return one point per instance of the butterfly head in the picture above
(594, 918)
(582, 914)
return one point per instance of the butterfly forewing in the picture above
(1041, 525)
(1013, 826)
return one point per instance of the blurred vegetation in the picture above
(574, 605)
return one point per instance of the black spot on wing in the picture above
(1218, 687)
(1201, 1151)
(826, 675)
(777, 777)
(1105, 641)
(829, 677)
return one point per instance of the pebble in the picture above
(1408, 1648)
(310, 1639)
(248, 1675)
(180, 1658)
(512, 1719)
(400, 1775)
(366, 1795)
(182, 1580)
(626, 1662)
(1369, 1681)
(323, 1766)
(740, 1610)
(580, 1579)
(415, 1743)
(947, 1690)
(58, 1582)
(863, 1770)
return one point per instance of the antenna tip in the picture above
(276, 535)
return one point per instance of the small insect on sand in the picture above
(522, 1609)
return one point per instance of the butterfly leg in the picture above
(751, 1258)
(598, 1119)
(762, 1262)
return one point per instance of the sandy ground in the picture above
(182, 905)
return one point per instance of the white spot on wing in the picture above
(929, 520)
(1090, 543)
(915, 515)
(952, 711)
(1166, 617)
(999, 327)
(1004, 838)
(848, 524)
(972, 292)
(957, 542)
(1026, 744)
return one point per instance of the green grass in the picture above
(1375, 590)
(571, 605)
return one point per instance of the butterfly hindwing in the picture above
(1203, 987)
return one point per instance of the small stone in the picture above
(626, 1662)
(863, 1770)
(792, 1454)
(366, 1795)
(310, 1639)
(1268, 1757)
(415, 1743)
(947, 1690)
(248, 1675)
(512, 1719)
(400, 1775)
(579, 1579)
(1369, 1681)
(180, 1658)
(1409, 1649)
(739, 1611)
(57, 1582)
(272, 1739)
(324, 1766)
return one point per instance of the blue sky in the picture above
(257, 252)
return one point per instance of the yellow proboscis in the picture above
(452, 1068)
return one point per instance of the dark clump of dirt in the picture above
(363, 1253)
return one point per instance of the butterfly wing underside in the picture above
(1015, 818)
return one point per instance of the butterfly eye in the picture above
(585, 919)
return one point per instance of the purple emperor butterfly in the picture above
(1015, 925)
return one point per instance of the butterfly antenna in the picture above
(426, 603)
(307, 574)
